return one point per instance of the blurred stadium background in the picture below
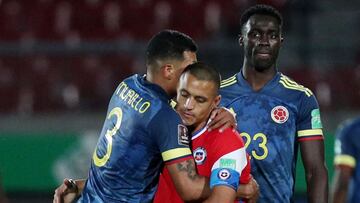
(60, 60)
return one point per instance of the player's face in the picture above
(189, 58)
(196, 99)
(261, 38)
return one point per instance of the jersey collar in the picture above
(157, 90)
(198, 133)
(271, 84)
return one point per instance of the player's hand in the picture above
(66, 192)
(222, 118)
(249, 191)
(254, 198)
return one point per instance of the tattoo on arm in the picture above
(189, 167)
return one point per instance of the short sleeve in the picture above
(231, 164)
(345, 149)
(309, 126)
(245, 175)
(170, 135)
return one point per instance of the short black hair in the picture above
(205, 72)
(169, 44)
(260, 9)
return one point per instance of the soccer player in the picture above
(142, 132)
(347, 147)
(220, 156)
(275, 114)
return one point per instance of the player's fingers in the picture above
(57, 196)
(226, 125)
(70, 185)
(223, 122)
(213, 124)
(213, 119)
(218, 120)
(214, 112)
(62, 190)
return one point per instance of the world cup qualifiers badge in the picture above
(183, 135)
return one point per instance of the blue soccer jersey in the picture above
(272, 121)
(140, 133)
(347, 153)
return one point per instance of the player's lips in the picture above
(187, 114)
(263, 54)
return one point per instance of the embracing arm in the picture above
(222, 118)
(222, 194)
(249, 191)
(312, 153)
(189, 185)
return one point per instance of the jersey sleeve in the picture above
(171, 136)
(345, 149)
(309, 126)
(231, 165)
(245, 175)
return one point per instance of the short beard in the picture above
(263, 66)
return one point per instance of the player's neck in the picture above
(258, 79)
(195, 128)
(158, 81)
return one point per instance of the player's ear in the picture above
(281, 39)
(167, 70)
(217, 100)
(241, 40)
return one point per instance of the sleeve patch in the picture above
(225, 176)
(309, 138)
(315, 119)
(175, 153)
(235, 160)
(345, 160)
(228, 163)
(183, 135)
(306, 133)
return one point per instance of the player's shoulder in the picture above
(229, 82)
(228, 137)
(229, 89)
(164, 114)
(293, 87)
(348, 128)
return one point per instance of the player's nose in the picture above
(189, 104)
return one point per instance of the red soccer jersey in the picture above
(216, 155)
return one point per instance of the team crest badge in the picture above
(224, 174)
(279, 114)
(183, 136)
(199, 155)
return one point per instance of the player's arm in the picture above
(69, 190)
(231, 168)
(341, 182)
(345, 162)
(189, 185)
(311, 141)
(222, 118)
(312, 153)
(249, 191)
(222, 194)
